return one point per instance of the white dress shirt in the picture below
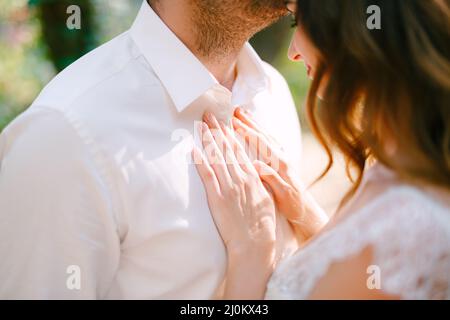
(98, 196)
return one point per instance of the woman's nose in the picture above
(293, 53)
(296, 58)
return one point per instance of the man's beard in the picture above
(223, 26)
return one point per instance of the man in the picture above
(98, 196)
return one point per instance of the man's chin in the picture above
(269, 13)
(274, 8)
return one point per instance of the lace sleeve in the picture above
(410, 237)
(412, 247)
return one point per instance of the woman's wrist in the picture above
(310, 219)
(248, 271)
(247, 258)
(248, 275)
(304, 214)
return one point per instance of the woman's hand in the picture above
(274, 169)
(242, 208)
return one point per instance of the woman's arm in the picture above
(244, 213)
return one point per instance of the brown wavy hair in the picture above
(382, 85)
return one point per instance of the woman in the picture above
(384, 102)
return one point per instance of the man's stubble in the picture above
(223, 26)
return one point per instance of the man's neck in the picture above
(175, 15)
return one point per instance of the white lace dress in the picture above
(407, 228)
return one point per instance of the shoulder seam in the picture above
(100, 81)
(98, 157)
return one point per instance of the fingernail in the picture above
(205, 117)
(244, 111)
(209, 117)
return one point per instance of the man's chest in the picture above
(169, 228)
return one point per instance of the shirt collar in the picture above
(180, 71)
(252, 77)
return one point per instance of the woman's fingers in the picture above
(215, 157)
(240, 154)
(256, 141)
(246, 118)
(242, 115)
(206, 173)
(278, 186)
(224, 145)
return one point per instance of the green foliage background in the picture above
(35, 45)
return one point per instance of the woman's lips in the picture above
(309, 71)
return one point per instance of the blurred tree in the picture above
(35, 43)
(64, 45)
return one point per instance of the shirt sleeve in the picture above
(58, 237)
